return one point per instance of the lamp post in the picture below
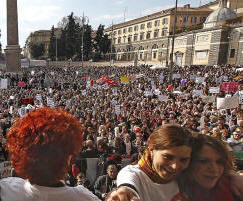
(173, 41)
(84, 20)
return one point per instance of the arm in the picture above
(97, 186)
(123, 193)
(237, 185)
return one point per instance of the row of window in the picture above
(142, 26)
(164, 21)
(141, 36)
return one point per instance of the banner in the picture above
(209, 99)
(228, 103)
(229, 86)
(176, 76)
(200, 80)
(114, 91)
(241, 97)
(22, 111)
(163, 98)
(4, 83)
(198, 93)
(21, 84)
(50, 102)
(148, 93)
(5, 169)
(192, 77)
(125, 79)
(117, 110)
(26, 101)
(214, 90)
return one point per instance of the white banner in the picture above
(176, 76)
(148, 93)
(241, 97)
(209, 99)
(4, 83)
(117, 110)
(198, 93)
(228, 103)
(22, 111)
(214, 90)
(163, 98)
(200, 80)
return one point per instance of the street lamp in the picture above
(84, 20)
(173, 41)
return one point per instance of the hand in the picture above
(237, 185)
(104, 195)
(122, 194)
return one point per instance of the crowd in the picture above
(119, 108)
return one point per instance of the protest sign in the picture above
(228, 103)
(192, 77)
(214, 90)
(157, 92)
(114, 91)
(198, 92)
(148, 93)
(241, 97)
(229, 86)
(4, 83)
(22, 111)
(21, 84)
(5, 169)
(125, 79)
(50, 102)
(163, 98)
(117, 110)
(209, 99)
(176, 76)
(200, 80)
(84, 92)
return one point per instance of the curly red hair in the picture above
(40, 144)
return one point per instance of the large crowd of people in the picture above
(119, 108)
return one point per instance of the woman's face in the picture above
(208, 168)
(169, 163)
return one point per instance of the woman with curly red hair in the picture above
(41, 145)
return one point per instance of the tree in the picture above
(36, 49)
(98, 38)
(105, 44)
(87, 42)
(52, 45)
(70, 37)
(1, 54)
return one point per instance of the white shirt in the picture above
(17, 189)
(145, 187)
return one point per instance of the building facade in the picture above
(41, 36)
(203, 36)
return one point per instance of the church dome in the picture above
(221, 14)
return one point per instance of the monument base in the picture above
(13, 63)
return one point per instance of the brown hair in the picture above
(169, 135)
(40, 144)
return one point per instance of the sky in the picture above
(34, 15)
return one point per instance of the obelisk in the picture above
(12, 50)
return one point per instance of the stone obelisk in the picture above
(12, 50)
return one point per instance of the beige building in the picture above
(42, 36)
(204, 35)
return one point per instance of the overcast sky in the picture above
(36, 15)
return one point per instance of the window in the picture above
(114, 41)
(155, 55)
(185, 19)
(164, 32)
(156, 33)
(165, 21)
(124, 31)
(130, 29)
(156, 23)
(114, 32)
(124, 39)
(155, 46)
(119, 32)
(135, 37)
(136, 28)
(142, 26)
(232, 53)
(202, 19)
(141, 36)
(194, 20)
(148, 35)
(149, 24)
(129, 39)
(119, 40)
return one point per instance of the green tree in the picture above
(36, 49)
(105, 44)
(52, 45)
(70, 37)
(98, 38)
(1, 54)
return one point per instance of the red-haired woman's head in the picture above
(41, 143)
